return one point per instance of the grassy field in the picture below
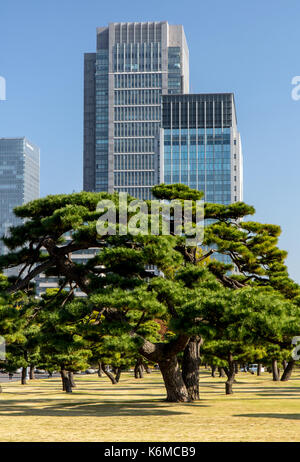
(134, 410)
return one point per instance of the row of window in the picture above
(138, 32)
(101, 114)
(137, 113)
(210, 150)
(101, 67)
(101, 183)
(200, 164)
(128, 97)
(102, 130)
(221, 198)
(101, 100)
(201, 185)
(138, 80)
(202, 156)
(134, 178)
(200, 131)
(137, 49)
(137, 129)
(176, 164)
(133, 162)
(193, 139)
(102, 167)
(141, 66)
(137, 57)
(202, 150)
(134, 145)
(174, 81)
(193, 113)
(102, 61)
(102, 83)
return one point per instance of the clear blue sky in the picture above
(250, 48)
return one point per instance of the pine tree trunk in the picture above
(236, 368)
(109, 375)
(275, 371)
(31, 373)
(100, 370)
(71, 379)
(118, 374)
(147, 368)
(23, 375)
(190, 369)
(165, 355)
(221, 372)
(175, 387)
(213, 371)
(68, 386)
(288, 371)
(138, 371)
(136, 374)
(230, 375)
(62, 380)
(259, 369)
(66, 381)
(284, 364)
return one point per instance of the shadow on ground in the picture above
(88, 409)
(271, 416)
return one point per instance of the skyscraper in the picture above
(135, 64)
(200, 145)
(19, 179)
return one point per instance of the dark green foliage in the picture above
(131, 312)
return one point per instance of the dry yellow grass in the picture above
(134, 410)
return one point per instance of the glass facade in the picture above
(174, 70)
(201, 159)
(137, 57)
(19, 180)
(200, 145)
(137, 115)
(101, 157)
(135, 64)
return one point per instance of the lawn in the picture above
(134, 410)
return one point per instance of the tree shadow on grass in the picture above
(271, 416)
(108, 382)
(88, 409)
(79, 389)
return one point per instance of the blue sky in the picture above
(250, 48)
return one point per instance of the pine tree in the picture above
(244, 325)
(62, 345)
(127, 296)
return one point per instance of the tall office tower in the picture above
(200, 145)
(19, 180)
(134, 65)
